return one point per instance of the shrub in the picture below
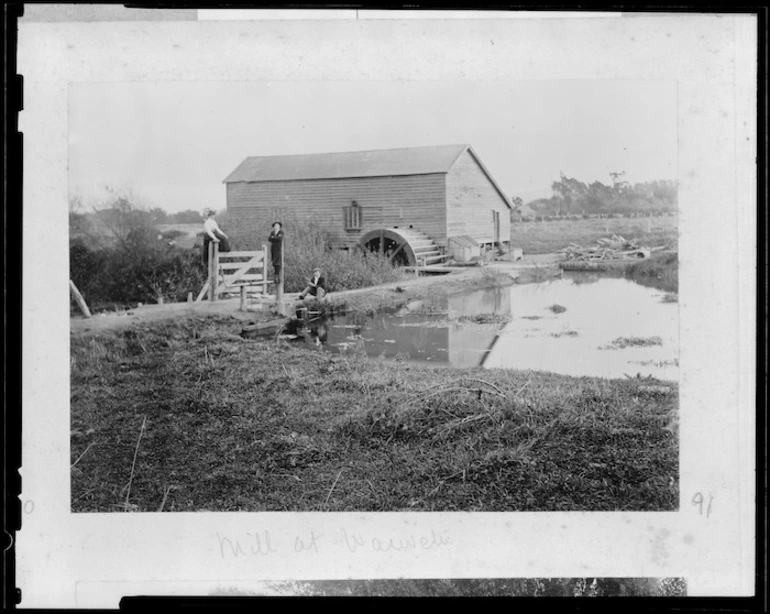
(145, 269)
(172, 234)
(306, 247)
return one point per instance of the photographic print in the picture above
(376, 304)
(374, 296)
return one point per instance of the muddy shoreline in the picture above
(376, 299)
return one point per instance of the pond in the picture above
(582, 324)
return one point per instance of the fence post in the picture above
(279, 285)
(213, 270)
(264, 271)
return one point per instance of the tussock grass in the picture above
(625, 342)
(486, 318)
(231, 424)
(566, 333)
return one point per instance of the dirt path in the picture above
(261, 310)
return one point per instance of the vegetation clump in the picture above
(625, 342)
(660, 271)
(229, 424)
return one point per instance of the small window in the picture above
(352, 217)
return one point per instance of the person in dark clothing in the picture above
(276, 251)
(316, 287)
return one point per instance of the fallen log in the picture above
(264, 329)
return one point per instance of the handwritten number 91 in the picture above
(700, 502)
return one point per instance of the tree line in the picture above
(574, 197)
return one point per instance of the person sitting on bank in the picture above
(212, 232)
(316, 287)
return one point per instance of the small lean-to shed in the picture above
(463, 248)
(406, 202)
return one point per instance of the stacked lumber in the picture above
(615, 248)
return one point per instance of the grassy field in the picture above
(185, 415)
(549, 237)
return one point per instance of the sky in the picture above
(172, 143)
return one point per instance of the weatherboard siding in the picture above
(416, 200)
(471, 197)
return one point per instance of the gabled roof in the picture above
(375, 163)
(342, 165)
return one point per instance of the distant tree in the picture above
(158, 216)
(569, 194)
(516, 205)
(619, 184)
(121, 216)
(599, 197)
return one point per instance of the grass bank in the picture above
(423, 295)
(551, 236)
(661, 271)
(185, 415)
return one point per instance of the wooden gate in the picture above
(231, 271)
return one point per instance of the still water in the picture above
(573, 325)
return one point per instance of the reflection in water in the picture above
(599, 309)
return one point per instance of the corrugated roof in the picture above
(376, 163)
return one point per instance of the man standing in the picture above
(276, 249)
(316, 287)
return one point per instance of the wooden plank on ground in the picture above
(79, 299)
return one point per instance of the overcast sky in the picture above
(173, 143)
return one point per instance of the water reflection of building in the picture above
(469, 345)
(438, 339)
(418, 337)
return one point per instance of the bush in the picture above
(172, 234)
(144, 269)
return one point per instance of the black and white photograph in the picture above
(387, 304)
(299, 297)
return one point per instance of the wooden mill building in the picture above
(413, 203)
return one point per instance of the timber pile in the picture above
(614, 249)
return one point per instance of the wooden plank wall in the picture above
(385, 201)
(471, 197)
